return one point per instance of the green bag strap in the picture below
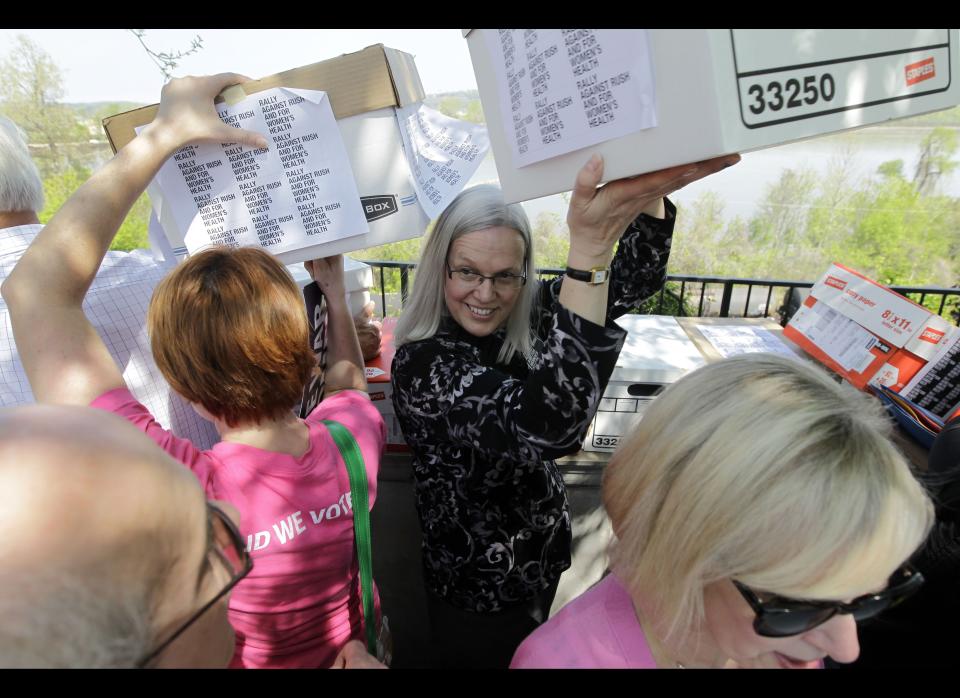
(361, 522)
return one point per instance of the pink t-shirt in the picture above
(597, 630)
(301, 602)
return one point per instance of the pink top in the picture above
(597, 630)
(301, 602)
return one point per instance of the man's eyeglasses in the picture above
(778, 616)
(503, 281)
(228, 545)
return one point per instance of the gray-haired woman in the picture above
(496, 375)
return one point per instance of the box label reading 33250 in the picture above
(779, 80)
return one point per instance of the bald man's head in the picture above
(104, 545)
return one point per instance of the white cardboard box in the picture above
(720, 91)
(357, 276)
(364, 89)
(657, 352)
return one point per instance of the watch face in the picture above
(594, 276)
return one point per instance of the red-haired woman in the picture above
(229, 332)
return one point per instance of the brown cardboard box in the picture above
(373, 78)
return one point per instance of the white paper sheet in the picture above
(730, 340)
(298, 192)
(443, 154)
(565, 89)
(839, 337)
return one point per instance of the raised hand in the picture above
(328, 273)
(187, 113)
(598, 217)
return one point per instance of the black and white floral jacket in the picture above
(491, 500)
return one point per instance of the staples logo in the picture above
(377, 207)
(835, 282)
(918, 72)
(931, 335)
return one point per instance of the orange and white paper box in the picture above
(866, 332)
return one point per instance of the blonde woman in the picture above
(760, 510)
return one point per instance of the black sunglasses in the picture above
(778, 616)
(229, 546)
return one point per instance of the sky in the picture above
(101, 65)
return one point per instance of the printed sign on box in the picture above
(694, 94)
(326, 184)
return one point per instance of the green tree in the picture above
(891, 168)
(133, 232)
(699, 227)
(402, 251)
(451, 105)
(474, 112)
(783, 212)
(31, 87)
(936, 159)
(903, 237)
(60, 186)
(888, 227)
(551, 240)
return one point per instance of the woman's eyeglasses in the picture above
(503, 281)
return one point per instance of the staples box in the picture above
(697, 93)
(866, 332)
(380, 388)
(657, 352)
(364, 88)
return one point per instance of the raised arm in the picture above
(344, 358)
(598, 217)
(64, 358)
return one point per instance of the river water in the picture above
(742, 187)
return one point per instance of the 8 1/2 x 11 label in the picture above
(789, 75)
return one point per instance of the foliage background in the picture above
(893, 225)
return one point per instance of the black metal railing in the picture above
(699, 296)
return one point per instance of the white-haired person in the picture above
(116, 302)
(759, 511)
(496, 375)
